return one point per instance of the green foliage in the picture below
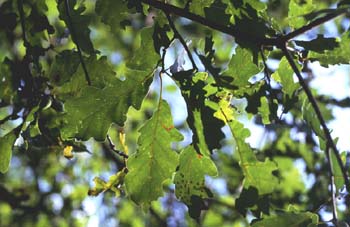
(77, 23)
(289, 219)
(113, 13)
(337, 55)
(297, 10)
(158, 102)
(284, 75)
(257, 174)
(189, 179)
(154, 156)
(6, 143)
(241, 68)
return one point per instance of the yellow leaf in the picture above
(67, 152)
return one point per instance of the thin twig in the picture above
(75, 40)
(182, 41)
(266, 71)
(230, 30)
(23, 26)
(239, 34)
(163, 70)
(319, 115)
(332, 183)
(312, 25)
(112, 146)
(340, 103)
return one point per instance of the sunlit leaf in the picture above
(264, 110)
(198, 6)
(311, 119)
(257, 174)
(306, 219)
(6, 144)
(154, 157)
(297, 10)
(205, 127)
(338, 55)
(189, 179)
(241, 68)
(284, 75)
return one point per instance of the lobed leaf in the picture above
(297, 10)
(154, 161)
(189, 179)
(284, 76)
(91, 112)
(77, 22)
(338, 55)
(306, 219)
(319, 45)
(241, 68)
(257, 174)
(112, 12)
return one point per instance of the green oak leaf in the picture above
(6, 144)
(91, 114)
(79, 23)
(189, 179)
(284, 76)
(338, 174)
(65, 65)
(100, 72)
(224, 110)
(257, 174)
(305, 219)
(145, 57)
(216, 12)
(338, 55)
(96, 107)
(264, 110)
(241, 68)
(319, 45)
(257, 5)
(311, 119)
(297, 10)
(154, 161)
(197, 7)
(112, 12)
(290, 177)
(205, 127)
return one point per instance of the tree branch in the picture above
(23, 27)
(230, 30)
(332, 101)
(182, 41)
(75, 40)
(332, 183)
(312, 25)
(319, 115)
(112, 146)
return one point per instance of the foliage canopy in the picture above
(111, 105)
